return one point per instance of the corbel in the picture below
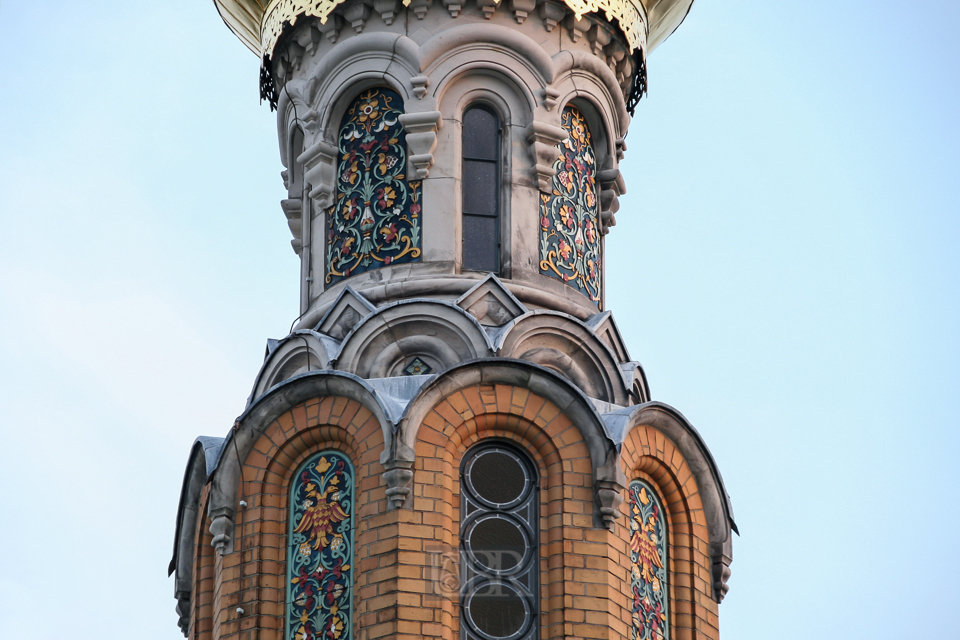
(721, 554)
(488, 7)
(331, 28)
(398, 475)
(221, 528)
(420, 84)
(543, 139)
(550, 97)
(293, 210)
(609, 498)
(552, 13)
(387, 10)
(320, 170)
(577, 26)
(421, 129)
(357, 15)
(522, 8)
(612, 186)
(599, 38)
(420, 7)
(454, 7)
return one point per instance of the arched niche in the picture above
(564, 345)
(300, 352)
(388, 341)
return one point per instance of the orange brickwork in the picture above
(649, 455)
(398, 588)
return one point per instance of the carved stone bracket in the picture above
(421, 129)
(398, 475)
(522, 8)
(320, 169)
(552, 13)
(356, 14)
(609, 498)
(387, 10)
(722, 556)
(420, 7)
(543, 139)
(454, 7)
(221, 528)
(420, 84)
(550, 97)
(488, 7)
(612, 187)
(293, 210)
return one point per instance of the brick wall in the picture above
(399, 563)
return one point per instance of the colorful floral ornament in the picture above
(320, 551)
(569, 240)
(376, 218)
(648, 565)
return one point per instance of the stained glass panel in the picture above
(569, 216)
(320, 555)
(375, 220)
(648, 564)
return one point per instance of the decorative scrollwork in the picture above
(648, 564)
(570, 248)
(630, 15)
(320, 550)
(375, 220)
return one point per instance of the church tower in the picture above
(453, 442)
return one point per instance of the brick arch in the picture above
(253, 576)
(649, 455)
(576, 553)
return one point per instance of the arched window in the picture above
(570, 248)
(320, 551)
(648, 564)
(499, 550)
(375, 220)
(481, 190)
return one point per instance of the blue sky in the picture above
(784, 265)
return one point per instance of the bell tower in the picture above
(454, 441)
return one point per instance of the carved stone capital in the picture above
(398, 475)
(612, 187)
(320, 169)
(543, 139)
(221, 528)
(721, 555)
(609, 499)
(421, 129)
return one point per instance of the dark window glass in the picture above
(478, 197)
(481, 190)
(479, 233)
(499, 524)
(480, 128)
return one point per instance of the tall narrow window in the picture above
(570, 244)
(499, 552)
(320, 553)
(481, 190)
(375, 220)
(648, 564)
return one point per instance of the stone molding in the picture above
(716, 503)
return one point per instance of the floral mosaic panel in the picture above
(648, 564)
(320, 556)
(569, 216)
(375, 220)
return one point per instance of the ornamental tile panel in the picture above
(570, 249)
(320, 555)
(375, 220)
(648, 565)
